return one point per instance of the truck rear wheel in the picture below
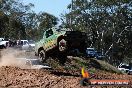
(42, 55)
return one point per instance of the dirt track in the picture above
(16, 78)
(13, 77)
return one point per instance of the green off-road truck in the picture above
(60, 40)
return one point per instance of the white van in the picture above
(26, 44)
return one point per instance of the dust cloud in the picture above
(10, 57)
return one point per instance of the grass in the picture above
(91, 64)
(105, 66)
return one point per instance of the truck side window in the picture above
(25, 42)
(49, 33)
(21, 42)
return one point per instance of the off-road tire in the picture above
(62, 48)
(42, 55)
(62, 51)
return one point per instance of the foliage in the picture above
(18, 21)
(108, 24)
(45, 21)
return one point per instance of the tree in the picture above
(107, 23)
(47, 20)
(16, 19)
(44, 22)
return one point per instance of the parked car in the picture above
(130, 72)
(31, 43)
(99, 55)
(3, 43)
(26, 44)
(90, 52)
(124, 68)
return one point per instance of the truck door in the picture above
(49, 39)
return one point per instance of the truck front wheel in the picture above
(62, 45)
(42, 55)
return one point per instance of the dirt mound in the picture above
(102, 65)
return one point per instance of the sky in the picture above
(54, 7)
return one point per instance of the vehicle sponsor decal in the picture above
(50, 43)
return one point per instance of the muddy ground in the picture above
(11, 76)
(14, 77)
